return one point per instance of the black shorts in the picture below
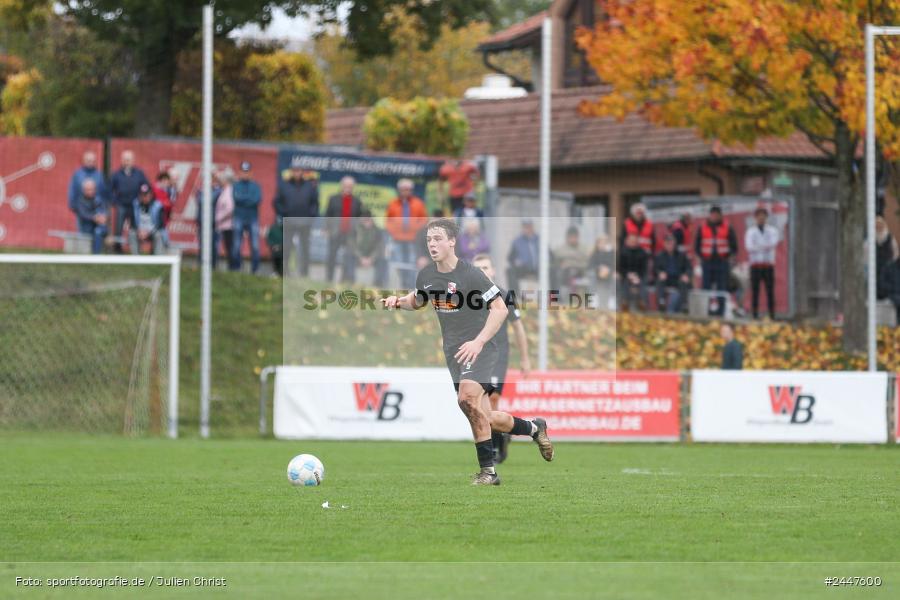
(498, 375)
(479, 371)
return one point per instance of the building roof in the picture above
(518, 35)
(510, 129)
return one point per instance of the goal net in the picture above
(89, 343)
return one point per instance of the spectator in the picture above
(469, 210)
(885, 251)
(571, 261)
(760, 242)
(672, 276)
(890, 283)
(681, 231)
(369, 247)
(124, 186)
(167, 194)
(638, 224)
(275, 241)
(146, 237)
(343, 211)
(715, 244)
(405, 216)
(224, 218)
(88, 170)
(602, 265)
(523, 256)
(461, 175)
(91, 212)
(632, 273)
(472, 241)
(216, 195)
(298, 198)
(247, 195)
(733, 352)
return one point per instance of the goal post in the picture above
(43, 295)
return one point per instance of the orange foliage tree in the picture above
(738, 70)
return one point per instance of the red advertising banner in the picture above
(34, 187)
(592, 405)
(182, 160)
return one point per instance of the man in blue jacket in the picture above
(123, 187)
(91, 213)
(146, 236)
(88, 170)
(247, 195)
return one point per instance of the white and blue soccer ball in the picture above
(305, 469)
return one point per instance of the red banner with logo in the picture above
(182, 160)
(34, 187)
(591, 405)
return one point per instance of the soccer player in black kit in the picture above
(470, 312)
(498, 377)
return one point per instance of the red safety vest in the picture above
(710, 240)
(644, 233)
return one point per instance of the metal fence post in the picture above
(263, 398)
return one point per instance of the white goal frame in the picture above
(174, 264)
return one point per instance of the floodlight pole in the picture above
(544, 262)
(206, 248)
(871, 32)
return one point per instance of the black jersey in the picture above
(460, 298)
(502, 337)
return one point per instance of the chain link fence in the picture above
(84, 348)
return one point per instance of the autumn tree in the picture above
(261, 93)
(738, 70)
(445, 69)
(86, 86)
(422, 125)
(14, 101)
(154, 32)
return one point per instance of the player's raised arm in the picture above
(411, 301)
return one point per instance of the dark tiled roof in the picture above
(510, 129)
(508, 37)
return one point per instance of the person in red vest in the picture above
(716, 245)
(638, 224)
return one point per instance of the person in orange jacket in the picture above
(405, 216)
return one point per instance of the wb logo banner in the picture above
(787, 400)
(377, 398)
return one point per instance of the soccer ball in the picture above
(305, 469)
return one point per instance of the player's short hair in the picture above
(448, 225)
(482, 256)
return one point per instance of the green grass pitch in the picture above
(617, 520)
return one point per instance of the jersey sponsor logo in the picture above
(488, 295)
(444, 305)
(377, 398)
(787, 400)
